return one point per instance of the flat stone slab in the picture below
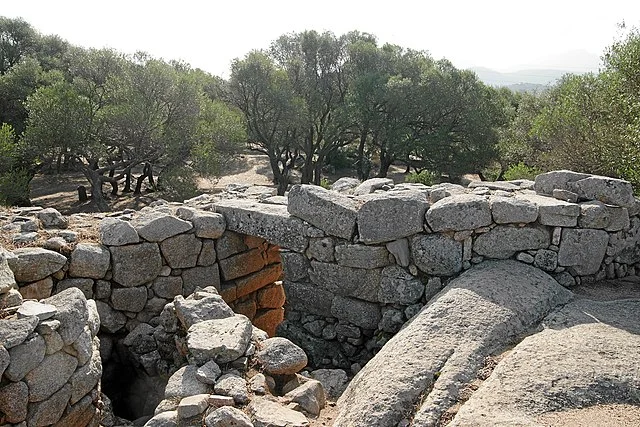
(434, 355)
(330, 211)
(583, 357)
(271, 222)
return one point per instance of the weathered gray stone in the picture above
(49, 411)
(84, 413)
(129, 299)
(51, 218)
(271, 222)
(4, 359)
(86, 377)
(594, 214)
(156, 226)
(611, 191)
(295, 265)
(583, 250)
(15, 331)
(504, 241)
(361, 256)
(38, 290)
(555, 212)
(85, 286)
(585, 351)
(192, 406)
(230, 243)
(459, 212)
(346, 281)
(515, 210)
(391, 216)
(25, 357)
(233, 386)
(185, 383)
(545, 183)
(164, 419)
(13, 298)
(345, 185)
(48, 377)
(308, 297)
(371, 185)
(33, 264)
(400, 251)
(437, 254)
(209, 225)
(167, 287)
(14, 400)
(116, 232)
(110, 320)
(279, 356)
(89, 260)
(7, 279)
(73, 313)
(207, 307)
(334, 381)
(34, 308)
(360, 313)
(566, 195)
(309, 395)
(265, 413)
(320, 249)
(399, 287)
(442, 348)
(619, 218)
(227, 416)
(207, 255)
(222, 340)
(209, 372)
(546, 260)
(135, 265)
(200, 277)
(339, 211)
(181, 251)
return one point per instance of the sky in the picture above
(503, 35)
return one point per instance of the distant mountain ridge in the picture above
(531, 79)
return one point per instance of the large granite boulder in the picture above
(425, 365)
(459, 212)
(135, 265)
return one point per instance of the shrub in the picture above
(425, 177)
(521, 171)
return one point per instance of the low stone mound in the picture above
(587, 355)
(442, 348)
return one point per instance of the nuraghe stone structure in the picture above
(354, 265)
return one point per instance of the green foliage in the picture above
(178, 183)
(521, 171)
(425, 177)
(325, 183)
(221, 134)
(14, 180)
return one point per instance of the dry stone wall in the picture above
(50, 364)
(359, 263)
(355, 264)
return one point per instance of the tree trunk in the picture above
(360, 166)
(127, 181)
(281, 178)
(317, 170)
(385, 164)
(95, 180)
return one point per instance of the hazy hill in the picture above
(537, 78)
